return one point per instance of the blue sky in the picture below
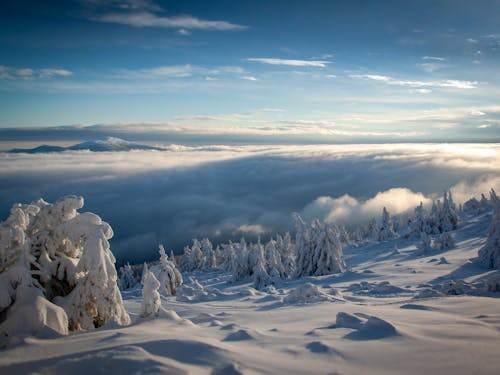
(336, 70)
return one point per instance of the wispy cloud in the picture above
(290, 62)
(146, 13)
(31, 73)
(449, 83)
(433, 58)
(147, 19)
(249, 78)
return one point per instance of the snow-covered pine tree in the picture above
(447, 216)
(489, 254)
(208, 255)
(151, 301)
(494, 200)
(287, 254)
(169, 276)
(228, 254)
(445, 241)
(273, 264)
(385, 230)
(318, 248)
(241, 268)
(418, 220)
(127, 279)
(145, 270)
(261, 277)
(172, 257)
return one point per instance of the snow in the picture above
(392, 312)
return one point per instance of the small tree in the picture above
(127, 279)
(386, 230)
(169, 277)
(151, 301)
(489, 254)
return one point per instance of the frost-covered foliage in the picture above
(386, 229)
(63, 254)
(168, 276)
(261, 278)
(151, 301)
(127, 279)
(318, 249)
(200, 256)
(445, 241)
(489, 254)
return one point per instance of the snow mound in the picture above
(231, 369)
(125, 359)
(195, 292)
(366, 327)
(48, 321)
(308, 293)
(319, 347)
(240, 335)
(384, 288)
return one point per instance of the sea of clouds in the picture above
(225, 192)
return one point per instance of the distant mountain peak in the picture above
(109, 144)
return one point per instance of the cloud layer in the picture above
(225, 192)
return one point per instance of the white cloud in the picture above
(249, 78)
(289, 62)
(147, 19)
(434, 58)
(245, 189)
(484, 126)
(184, 32)
(32, 73)
(449, 83)
(472, 40)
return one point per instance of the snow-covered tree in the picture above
(151, 301)
(385, 230)
(425, 244)
(489, 254)
(445, 241)
(172, 257)
(169, 276)
(273, 264)
(145, 270)
(287, 252)
(66, 256)
(318, 248)
(227, 254)
(241, 267)
(208, 255)
(261, 278)
(418, 223)
(127, 279)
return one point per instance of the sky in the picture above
(303, 71)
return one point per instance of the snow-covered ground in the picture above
(393, 312)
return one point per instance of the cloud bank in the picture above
(225, 192)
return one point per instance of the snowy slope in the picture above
(393, 312)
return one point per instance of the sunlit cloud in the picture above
(449, 83)
(290, 62)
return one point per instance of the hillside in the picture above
(394, 311)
